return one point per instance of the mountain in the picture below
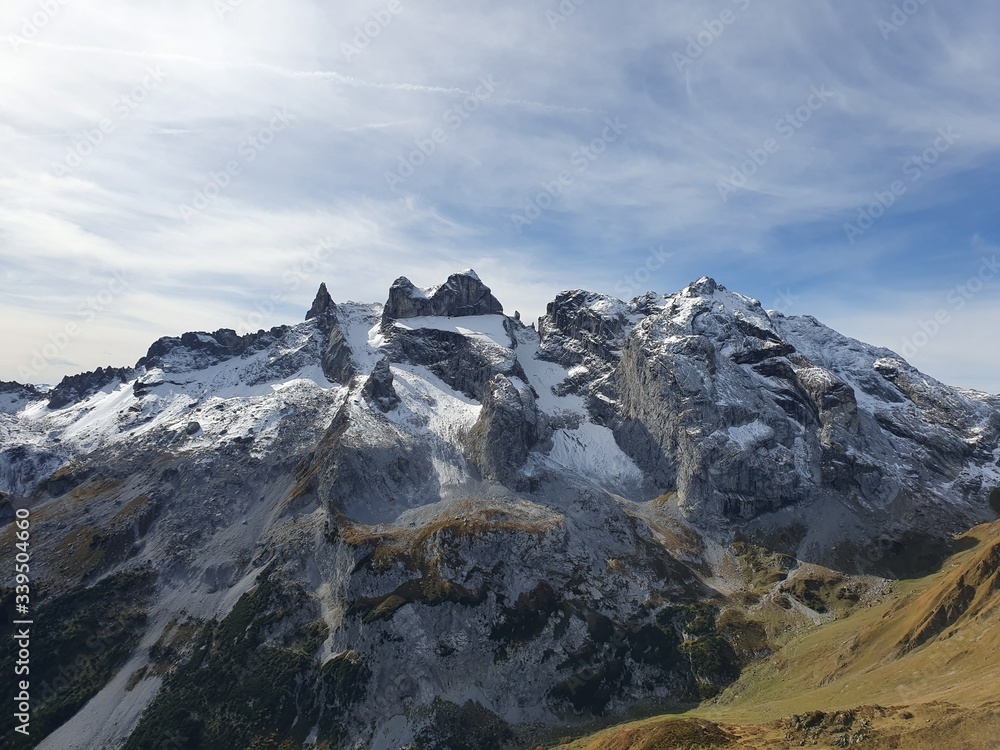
(425, 524)
(918, 670)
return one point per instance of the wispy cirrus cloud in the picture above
(749, 67)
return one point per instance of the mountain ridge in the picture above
(427, 510)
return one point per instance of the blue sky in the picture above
(197, 165)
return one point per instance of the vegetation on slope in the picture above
(79, 640)
(253, 680)
(918, 671)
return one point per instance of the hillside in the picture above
(919, 671)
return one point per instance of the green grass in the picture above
(760, 568)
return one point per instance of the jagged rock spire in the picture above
(322, 305)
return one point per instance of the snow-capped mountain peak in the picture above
(449, 495)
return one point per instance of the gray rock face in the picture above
(337, 364)
(578, 323)
(197, 350)
(741, 412)
(682, 397)
(336, 359)
(462, 294)
(14, 396)
(509, 425)
(17, 388)
(364, 473)
(74, 388)
(378, 388)
(476, 509)
(323, 305)
(465, 364)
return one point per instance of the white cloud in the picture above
(357, 115)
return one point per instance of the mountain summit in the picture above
(390, 521)
(462, 294)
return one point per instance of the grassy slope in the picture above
(934, 649)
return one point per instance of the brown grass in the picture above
(412, 545)
(932, 652)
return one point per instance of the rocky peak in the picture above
(323, 305)
(197, 349)
(508, 426)
(13, 396)
(462, 294)
(17, 388)
(75, 388)
(706, 286)
(578, 323)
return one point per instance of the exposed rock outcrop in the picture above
(509, 425)
(75, 388)
(578, 323)
(465, 364)
(462, 294)
(336, 357)
(378, 388)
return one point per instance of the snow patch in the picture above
(749, 435)
(486, 328)
(590, 450)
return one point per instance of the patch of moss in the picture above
(346, 675)
(95, 489)
(431, 589)
(711, 660)
(823, 591)
(747, 637)
(683, 642)
(174, 645)
(80, 552)
(760, 568)
(411, 546)
(135, 678)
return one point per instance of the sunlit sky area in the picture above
(199, 165)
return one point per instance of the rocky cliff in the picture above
(392, 519)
